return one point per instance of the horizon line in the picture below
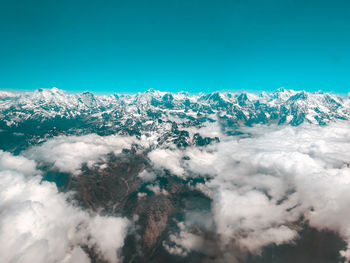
(238, 91)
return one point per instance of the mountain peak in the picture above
(53, 91)
(281, 106)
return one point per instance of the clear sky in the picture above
(192, 45)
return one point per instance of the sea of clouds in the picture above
(263, 184)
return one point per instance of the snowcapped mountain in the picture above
(282, 107)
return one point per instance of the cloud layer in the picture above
(263, 185)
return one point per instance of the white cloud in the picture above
(108, 233)
(141, 195)
(167, 159)
(262, 185)
(67, 153)
(182, 243)
(38, 224)
(156, 189)
(17, 163)
(209, 129)
(147, 176)
(266, 182)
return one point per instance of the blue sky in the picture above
(191, 45)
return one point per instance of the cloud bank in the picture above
(265, 185)
(68, 153)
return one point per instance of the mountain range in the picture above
(282, 106)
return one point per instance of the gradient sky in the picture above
(172, 45)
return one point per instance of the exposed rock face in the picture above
(115, 190)
(109, 188)
(157, 220)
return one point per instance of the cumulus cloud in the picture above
(169, 159)
(156, 189)
(39, 224)
(183, 242)
(17, 163)
(263, 184)
(147, 175)
(108, 233)
(67, 153)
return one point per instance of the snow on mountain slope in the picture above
(281, 106)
